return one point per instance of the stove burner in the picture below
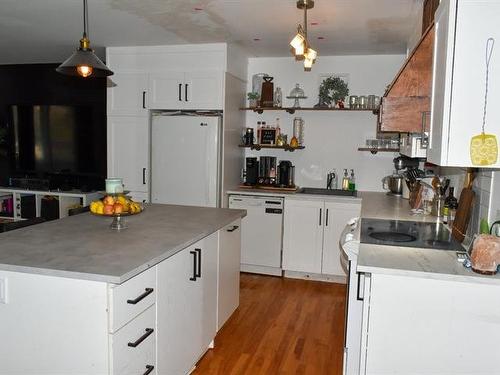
(393, 236)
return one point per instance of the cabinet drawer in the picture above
(133, 347)
(129, 299)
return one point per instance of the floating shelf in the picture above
(286, 148)
(292, 110)
(375, 150)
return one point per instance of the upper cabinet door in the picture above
(166, 90)
(336, 217)
(128, 150)
(203, 90)
(303, 235)
(464, 27)
(127, 94)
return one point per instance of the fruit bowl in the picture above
(117, 207)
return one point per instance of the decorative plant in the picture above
(332, 90)
(253, 96)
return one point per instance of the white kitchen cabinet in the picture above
(228, 284)
(462, 30)
(336, 217)
(312, 229)
(418, 325)
(187, 305)
(303, 235)
(186, 90)
(127, 94)
(128, 150)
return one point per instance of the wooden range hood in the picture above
(408, 97)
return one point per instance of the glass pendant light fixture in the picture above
(83, 62)
(300, 45)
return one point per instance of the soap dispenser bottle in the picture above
(345, 181)
(352, 181)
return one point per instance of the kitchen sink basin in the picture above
(320, 191)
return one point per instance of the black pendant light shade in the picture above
(83, 62)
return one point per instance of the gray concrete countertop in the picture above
(408, 261)
(84, 247)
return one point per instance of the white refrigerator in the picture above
(185, 158)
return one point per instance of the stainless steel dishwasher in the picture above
(261, 233)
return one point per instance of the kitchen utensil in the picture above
(444, 187)
(267, 94)
(393, 183)
(464, 210)
(484, 147)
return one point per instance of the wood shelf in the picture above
(286, 148)
(375, 150)
(292, 110)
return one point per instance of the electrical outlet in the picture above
(3, 291)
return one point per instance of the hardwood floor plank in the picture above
(282, 326)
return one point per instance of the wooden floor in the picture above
(283, 326)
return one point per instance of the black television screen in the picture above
(56, 139)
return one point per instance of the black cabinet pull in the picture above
(180, 88)
(144, 176)
(326, 220)
(193, 278)
(146, 293)
(149, 331)
(233, 228)
(149, 369)
(359, 284)
(186, 92)
(198, 273)
(144, 99)
(320, 214)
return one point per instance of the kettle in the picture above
(393, 183)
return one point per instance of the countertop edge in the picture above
(238, 214)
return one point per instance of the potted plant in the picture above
(253, 99)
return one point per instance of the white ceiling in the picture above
(48, 30)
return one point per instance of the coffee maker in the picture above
(252, 171)
(286, 174)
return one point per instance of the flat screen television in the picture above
(55, 139)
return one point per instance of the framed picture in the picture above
(267, 136)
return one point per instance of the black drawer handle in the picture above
(144, 99)
(198, 273)
(149, 331)
(193, 278)
(180, 88)
(233, 228)
(186, 92)
(144, 176)
(146, 293)
(149, 369)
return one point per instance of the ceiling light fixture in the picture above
(83, 62)
(300, 45)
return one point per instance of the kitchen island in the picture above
(79, 298)
(423, 312)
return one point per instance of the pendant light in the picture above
(83, 62)
(300, 45)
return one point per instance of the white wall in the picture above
(331, 138)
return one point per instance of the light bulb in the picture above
(308, 64)
(84, 70)
(311, 54)
(298, 42)
(299, 51)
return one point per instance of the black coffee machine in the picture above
(252, 171)
(286, 174)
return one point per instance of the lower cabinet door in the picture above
(336, 217)
(228, 297)
(303, 235)
(186, 306)
(133, 347)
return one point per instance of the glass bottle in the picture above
(352, 181)
(451, 205)
(345, 181)
(278, 97)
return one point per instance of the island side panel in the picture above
(52, 325)
(423, 326)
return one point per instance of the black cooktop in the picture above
(408, 234)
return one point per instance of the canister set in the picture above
(364, 102)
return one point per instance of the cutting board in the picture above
(464, 210)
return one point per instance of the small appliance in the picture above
(286, 174)
(252, 171)
(267, 170)
(394, 184)
(248, 138)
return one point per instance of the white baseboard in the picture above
(316, 277)
(265, 270)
